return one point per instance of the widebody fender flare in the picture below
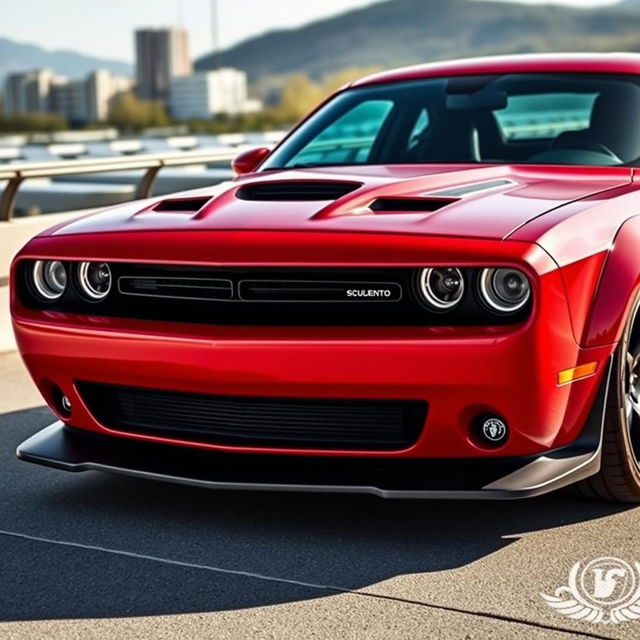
(617, 288)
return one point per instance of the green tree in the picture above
(300, 94)
(32, 122)
(129, 113)
(334, 81)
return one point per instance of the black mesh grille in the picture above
(257, 421)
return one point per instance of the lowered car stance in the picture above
(429, 289)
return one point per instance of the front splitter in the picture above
(62, 447)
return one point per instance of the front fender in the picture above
(617, 289)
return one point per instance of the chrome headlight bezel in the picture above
(47, 285)
(87, 289)
(490, 295)
(430, 298)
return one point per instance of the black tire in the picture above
(619, 475)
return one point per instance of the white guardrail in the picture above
(15, 232)
(151, 164)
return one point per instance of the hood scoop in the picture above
(291, 191)
(180, 205)
(409, 205)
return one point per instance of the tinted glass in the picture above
(580, 119)
(349, 137)
(547, 115)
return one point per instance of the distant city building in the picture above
(28, 92)
(101, 87)
(164, 72)
(161, 54)
(79, 101)
(68, 99)
(209, 93)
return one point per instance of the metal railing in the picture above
(16, 174)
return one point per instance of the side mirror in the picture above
(248, 161)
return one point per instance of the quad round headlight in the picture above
(441, 288)
(504, 290)
(49, 278)
(94, 279)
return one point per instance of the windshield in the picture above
(552, 118)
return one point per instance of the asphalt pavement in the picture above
(91, 555)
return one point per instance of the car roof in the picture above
(625, 63)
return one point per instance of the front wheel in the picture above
(619, 475)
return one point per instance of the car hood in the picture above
(455, 200)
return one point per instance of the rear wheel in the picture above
(619, 476)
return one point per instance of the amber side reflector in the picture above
(582, 371)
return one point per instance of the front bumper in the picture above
(459, 372)
(71, 449)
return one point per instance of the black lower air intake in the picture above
(316, 423)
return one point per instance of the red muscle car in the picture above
(430, 288)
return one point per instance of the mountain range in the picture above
(399, 32)
(387, 34)
(15, 56)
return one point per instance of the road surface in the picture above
(96, 556)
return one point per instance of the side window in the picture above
(419, 128)
(347, 139)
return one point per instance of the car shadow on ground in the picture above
(325, 541)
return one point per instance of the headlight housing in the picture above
(504, 289)
(49, 278)
(438, 295)
(441, 288)
(94, 280)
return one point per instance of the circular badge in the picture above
(494, 429)
(605, 590)
(608, 581)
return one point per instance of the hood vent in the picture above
(466, 189)
(181, 205)
(282, 190)
(409, 205)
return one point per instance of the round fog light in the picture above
(94, 279)
(491, 430)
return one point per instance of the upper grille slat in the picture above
(317, 291)
(176, 287)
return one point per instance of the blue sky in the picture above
(105, 28)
